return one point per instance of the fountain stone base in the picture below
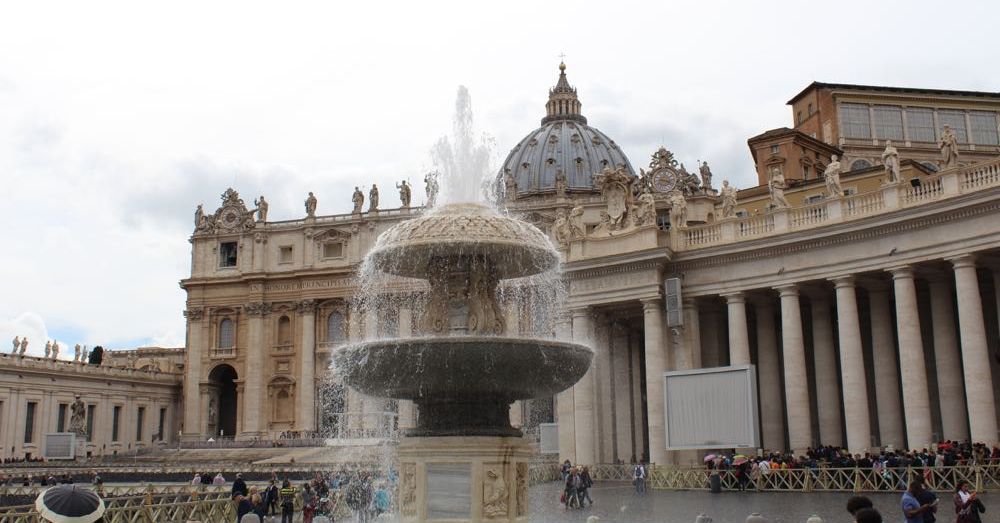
(464, 479)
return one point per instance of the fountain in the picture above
(463, 461)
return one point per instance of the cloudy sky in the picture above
(117, 119)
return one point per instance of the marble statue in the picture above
(645, 210)
(76, 352)
(728, 194)
(509, 186)
(199, 216)
(776, 184)
(404, 194)
(616, 187)
(17, 343)
(494, 494)
(85, 357)
(890, 160)
(24, 346)
(678, 209)
(577, 228)
(373, 199)
(949, 148)
(55, 350)
(706, 176)
(311, 205)
(211, 412)
(358, 199)
(262, 206)
(78, 418)
(603, 228)
(408, 495)
(431, 188)
(48, 349)
(561, 231)
(832, 177)
(561, 183)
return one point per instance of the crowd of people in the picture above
(324, 498)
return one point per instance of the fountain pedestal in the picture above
(464, 479)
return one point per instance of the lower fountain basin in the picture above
(435, 368)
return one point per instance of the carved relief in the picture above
(195, 314)
(494, 493)
(305, 306)
(408, 490)
(257, 309)
(232, 216)
(521, 495)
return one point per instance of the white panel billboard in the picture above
(712, 408)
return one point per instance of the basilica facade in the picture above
(861, 277)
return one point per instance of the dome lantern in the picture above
(563, 103)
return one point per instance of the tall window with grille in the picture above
(227, 334)
(91, 409)
(888, 122)
(162, 425)
(335, 327)
(984, 127)
(116, 418)
(920, 124)
(854, 121)
(61, 422)
(140, 417)
(29, 421)
(956, 119)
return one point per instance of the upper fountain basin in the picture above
(515, 248)
(462, 368)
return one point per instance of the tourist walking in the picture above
(239, 486)
(243, 506)
(381, 500)
(585, 483)
(287, 494)
(967, 504)
(639, 478)
(570, 490)
(308, 503)
(913, 511)
(564, 469)
(359, 497)
(271, 496)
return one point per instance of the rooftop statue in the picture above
(76, 352)
(561, 230)
(404, 194)
(373, 199)
(509, 186)
(78, 418)
(832, 177)
(17, 343)
(55, 350)
(199, 217)
(949, 148)
(358, 199)
(678, 209)
(603, 228)
(48, 349)
(728, 194)
(577, 228)
(706, 176)
(24, 346)
(890, 160)
(261, 209)
(311, 205)
(776, 184)
(431, 187)
(645, 209)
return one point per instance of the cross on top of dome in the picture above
(563, 103)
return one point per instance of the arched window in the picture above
(284, 331)
(860, 164)
(227, 334)
(335, 327)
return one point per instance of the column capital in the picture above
(305, 307)
(578, 312)
(788, 289)
(194, 313)
(843, 281)
(735, 297)
(256, 309)
(963, 260)
(652, 303)
(901, 272)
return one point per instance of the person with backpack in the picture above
(287, 494)
(585, 483)
(639, 478)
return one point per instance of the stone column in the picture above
(948, 362)
(622, 394)
(772, 412)
(192, 374)
(639, 443)
(656, 364)
(975, 355)
(825, 362)
(565, 407)
(585, 411)
(852, 366)
(739, 339)
(306, 416)
(796, 381)
(916, 399)
(604, 396)
(689, 356)
(253, 412)
(890, 411)
(709, 334)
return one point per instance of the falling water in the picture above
(464, 161)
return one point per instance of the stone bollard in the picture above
(756, 518)
(702, 518)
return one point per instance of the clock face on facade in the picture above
(664, 181)
(230, 217)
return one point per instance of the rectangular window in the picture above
(810, 109)
(90, 421)
(984, 127)
(285, 254)
(29, 422)
(920, 124)
(227, 254)
(774, 149)
(854, 122)
(61, 422)
(162, 425)
(799, 118)
(115, 419)
(139, 418)
(888, 122)
(956, 119)
(333, 250)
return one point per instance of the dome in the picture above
(564, 143)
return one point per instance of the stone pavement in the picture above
(617, 502)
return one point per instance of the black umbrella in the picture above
(69, 504)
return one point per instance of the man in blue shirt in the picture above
(913, 511)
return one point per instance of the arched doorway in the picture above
(222, 404)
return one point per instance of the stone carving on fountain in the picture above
(232, 216)
(495, 493)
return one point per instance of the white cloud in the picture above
(118, 118)
(27, 325)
